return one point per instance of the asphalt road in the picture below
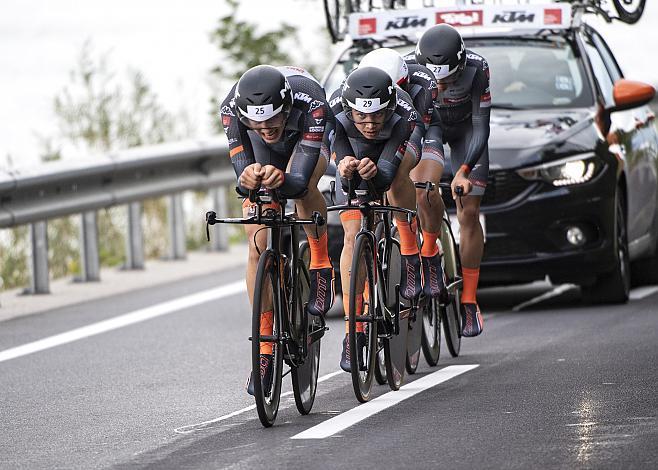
(557, 385)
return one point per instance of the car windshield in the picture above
(534, 74)
(525, 73)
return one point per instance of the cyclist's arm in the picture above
(306, 153)
(239, 145)
(433, 143)
(392, 154)
(341, 148)
(481, 102)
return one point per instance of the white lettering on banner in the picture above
(392, 23)
(316, 129)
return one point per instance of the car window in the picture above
(534, 74)
(603, 78)
(608, 58)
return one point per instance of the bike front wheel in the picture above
(266, 299)
(431, 341)
(362, 356)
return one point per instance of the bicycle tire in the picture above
(395, 346)
(362, 258)
(451, 313)
(267, 405)
(431, 340)
(332, 17)
(305, 376)
(380, 365)
(629, 15)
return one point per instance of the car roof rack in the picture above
(378, 21)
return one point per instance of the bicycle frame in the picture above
(274, 223)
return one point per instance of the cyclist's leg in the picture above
(351, 221)
(321, 294)
(471, 243)
(430, 211)
(403, 194)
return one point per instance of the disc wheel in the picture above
(451, 312)
(362, 360)
(305, 375)
(431, 340)
(395, 345)
(266, 293)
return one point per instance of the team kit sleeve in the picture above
(341, 148)
(481, 102)
(307, 151)
(240, 150)
(392, 154)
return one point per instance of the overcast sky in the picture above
(168, 41)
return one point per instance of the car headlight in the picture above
(565, 172)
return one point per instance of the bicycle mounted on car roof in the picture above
(342, 16)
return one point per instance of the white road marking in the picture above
(199, 426)
(642, 292)
(559, 290)
(361, 412)
(130, 318)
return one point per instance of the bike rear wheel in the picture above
(363, 270)
(629, 11)
(305, 375)
(266, 298)
(395, 345)
(451, 313)
(431, 341)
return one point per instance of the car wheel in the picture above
(614, 286)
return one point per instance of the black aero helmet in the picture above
(441, 49)
(368, 90)
(262, 93)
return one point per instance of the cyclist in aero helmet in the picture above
(275, 120)
(374, 122)
(421, 85)
(462, 104)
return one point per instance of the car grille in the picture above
(502, 186)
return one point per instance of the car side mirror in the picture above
(630, 94)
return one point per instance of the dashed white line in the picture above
(131, 318)
(358, 414)
(559, 290)
(199, 426)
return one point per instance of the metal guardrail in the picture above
(62, 188)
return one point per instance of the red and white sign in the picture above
(460, 17)
(367, 26)
(411, 22)
(552, 16)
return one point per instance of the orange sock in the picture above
(266, 327)
(470, 284)
(408, 231)
(360, 326)
(430, 246)
(319, 252)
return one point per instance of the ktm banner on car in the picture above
(407, 22)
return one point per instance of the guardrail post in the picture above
(89, 247)
(176, 227)
(135, 237)
(39, 261)
(219, 237)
